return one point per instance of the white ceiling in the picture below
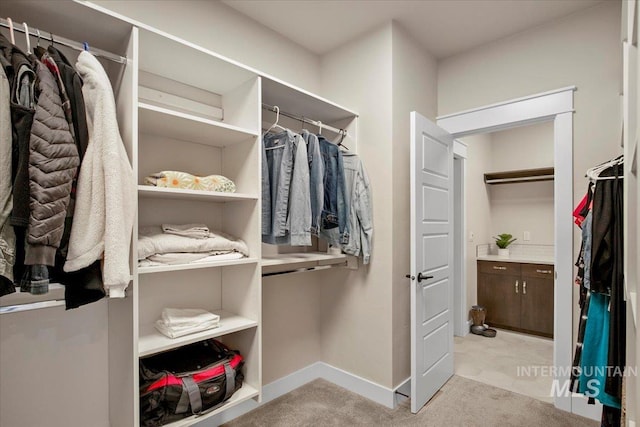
(443, 27)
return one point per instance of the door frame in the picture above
(556, 106)
(461, 323)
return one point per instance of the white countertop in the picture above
(519, 258)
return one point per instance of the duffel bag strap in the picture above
(231, 380)
(194, 394)
(230, 374)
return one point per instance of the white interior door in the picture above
(431, 259)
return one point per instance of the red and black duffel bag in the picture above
(190, 380)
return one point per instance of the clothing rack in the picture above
(64, 41)
(303, 119)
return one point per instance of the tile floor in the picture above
(502, 362)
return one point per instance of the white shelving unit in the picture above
(157, 138)
(172, 139)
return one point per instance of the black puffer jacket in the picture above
(53, 161)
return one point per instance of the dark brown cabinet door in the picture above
(537, 305)
(500, 296)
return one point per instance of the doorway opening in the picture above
(506, 183)
(557, 107)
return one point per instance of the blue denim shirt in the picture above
(335, 212)
(360, 208)
(286, 205)
(316, 179)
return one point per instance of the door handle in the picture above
(524, 287)
(420, 277)
(516, 286)
(499, 268)
(543, 271)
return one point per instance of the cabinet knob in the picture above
(543, 271)
(516, 286)
(495, 267)
(524, 287)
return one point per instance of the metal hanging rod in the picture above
(63, 41)
(303, 119)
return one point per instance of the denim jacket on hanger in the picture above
(316, 176)
(286, 205)
(335, 213)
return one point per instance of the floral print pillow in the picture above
(175, 179)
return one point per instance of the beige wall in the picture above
(414, 79)
(516, 208)
(216, 26)
(478, 211)
(291, 324)
(582, 50)
(524, 147)
(356, 310)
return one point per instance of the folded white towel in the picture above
(176, 332)
(187, 316)
(195, 231)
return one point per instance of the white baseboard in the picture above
(344, 379)
(363, 387)
(580, 406)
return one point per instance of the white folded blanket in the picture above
(195, 231)
(187, 316)
(177, 322)
(176, 332)
(152, 241)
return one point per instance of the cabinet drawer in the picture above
(542, 271)
(492, 267)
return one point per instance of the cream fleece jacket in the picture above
(106, 191)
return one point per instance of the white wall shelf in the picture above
(195, 266)
(181, 126)
(299, 259)
(148, 191)
(245, 393)
(151, 341)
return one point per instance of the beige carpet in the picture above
(460, 403)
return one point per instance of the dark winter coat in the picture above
(53, 162)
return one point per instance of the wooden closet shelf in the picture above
(174, 124)
(148, 191)
(151, 341)
(524, 175)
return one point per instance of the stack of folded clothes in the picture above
(178, 322)
(176, 179)
(186, 243)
